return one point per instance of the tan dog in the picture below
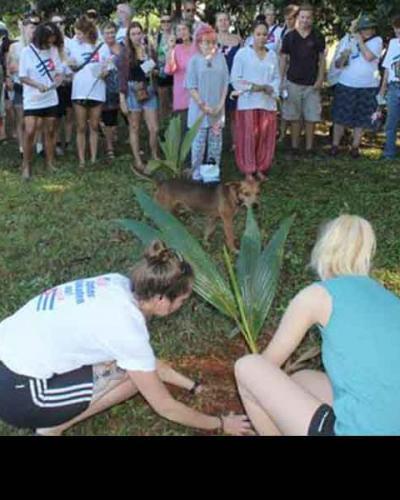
(214, 200)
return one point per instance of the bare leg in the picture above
(49, 126)
(119, 391)
(19, 123)
(69, 125)
(310, 129)
(134, 125)
(338, 131)
(81, 117)
(150, 115)
(357, 135)
(284, 404)
(165, 95)
(295, 134)
(30, 124)
(109, 133)
(94, 120)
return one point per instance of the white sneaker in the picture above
(59, 151)
(39, 148)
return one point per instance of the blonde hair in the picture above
(346, 245)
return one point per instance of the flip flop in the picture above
(140, 172)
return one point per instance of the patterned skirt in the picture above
(353, 107)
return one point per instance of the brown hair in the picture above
(161, 272)
(306, 7)
(291, 9)
(396, 21)
(130, 53)
(87, 27)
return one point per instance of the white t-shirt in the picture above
(273, 40)
(249, 68)
(360, 73)
(86, 83)
(121, 35)
(31, 67)
(392, 60)
(79, 323)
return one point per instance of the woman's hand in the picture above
(42, 88)
(268, 89)
(237, 425)
(123, 106)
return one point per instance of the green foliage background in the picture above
(333, 16)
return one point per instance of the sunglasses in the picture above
(164, 21)
(59, 23)
(27, 23)
(189, 10)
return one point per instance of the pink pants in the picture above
(255, 137)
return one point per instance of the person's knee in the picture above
(299, 376)
(245, 364)
(134, 128)
(81, 127)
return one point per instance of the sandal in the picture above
(140, 171)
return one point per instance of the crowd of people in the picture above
(115, 72)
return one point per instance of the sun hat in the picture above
(366, 21)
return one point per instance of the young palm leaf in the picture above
(266, 276)
(209, 283)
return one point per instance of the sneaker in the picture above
(39, 148)
(355, 153)
(59, 151)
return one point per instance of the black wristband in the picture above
(196, 384)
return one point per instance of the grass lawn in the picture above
(60, 227)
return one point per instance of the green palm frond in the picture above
(209, 283)
(266, 275)
(172, 140)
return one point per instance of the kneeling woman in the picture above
(255, 77)
(360, 325)
(82, 347)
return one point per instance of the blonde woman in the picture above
(359, 320)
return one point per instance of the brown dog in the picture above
(214, 200)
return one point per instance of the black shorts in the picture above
(110, 117)
(51, 112)
(64, 99)
(323, 422)
(87, 103)
(32, 403)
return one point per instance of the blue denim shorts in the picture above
(134, 105)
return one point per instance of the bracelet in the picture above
(196, 384)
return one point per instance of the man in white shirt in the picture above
(391, 84)
(274, 30)
(124, 14)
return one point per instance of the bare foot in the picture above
(26, 173)
(261, 177)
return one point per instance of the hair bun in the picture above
(157, 253)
